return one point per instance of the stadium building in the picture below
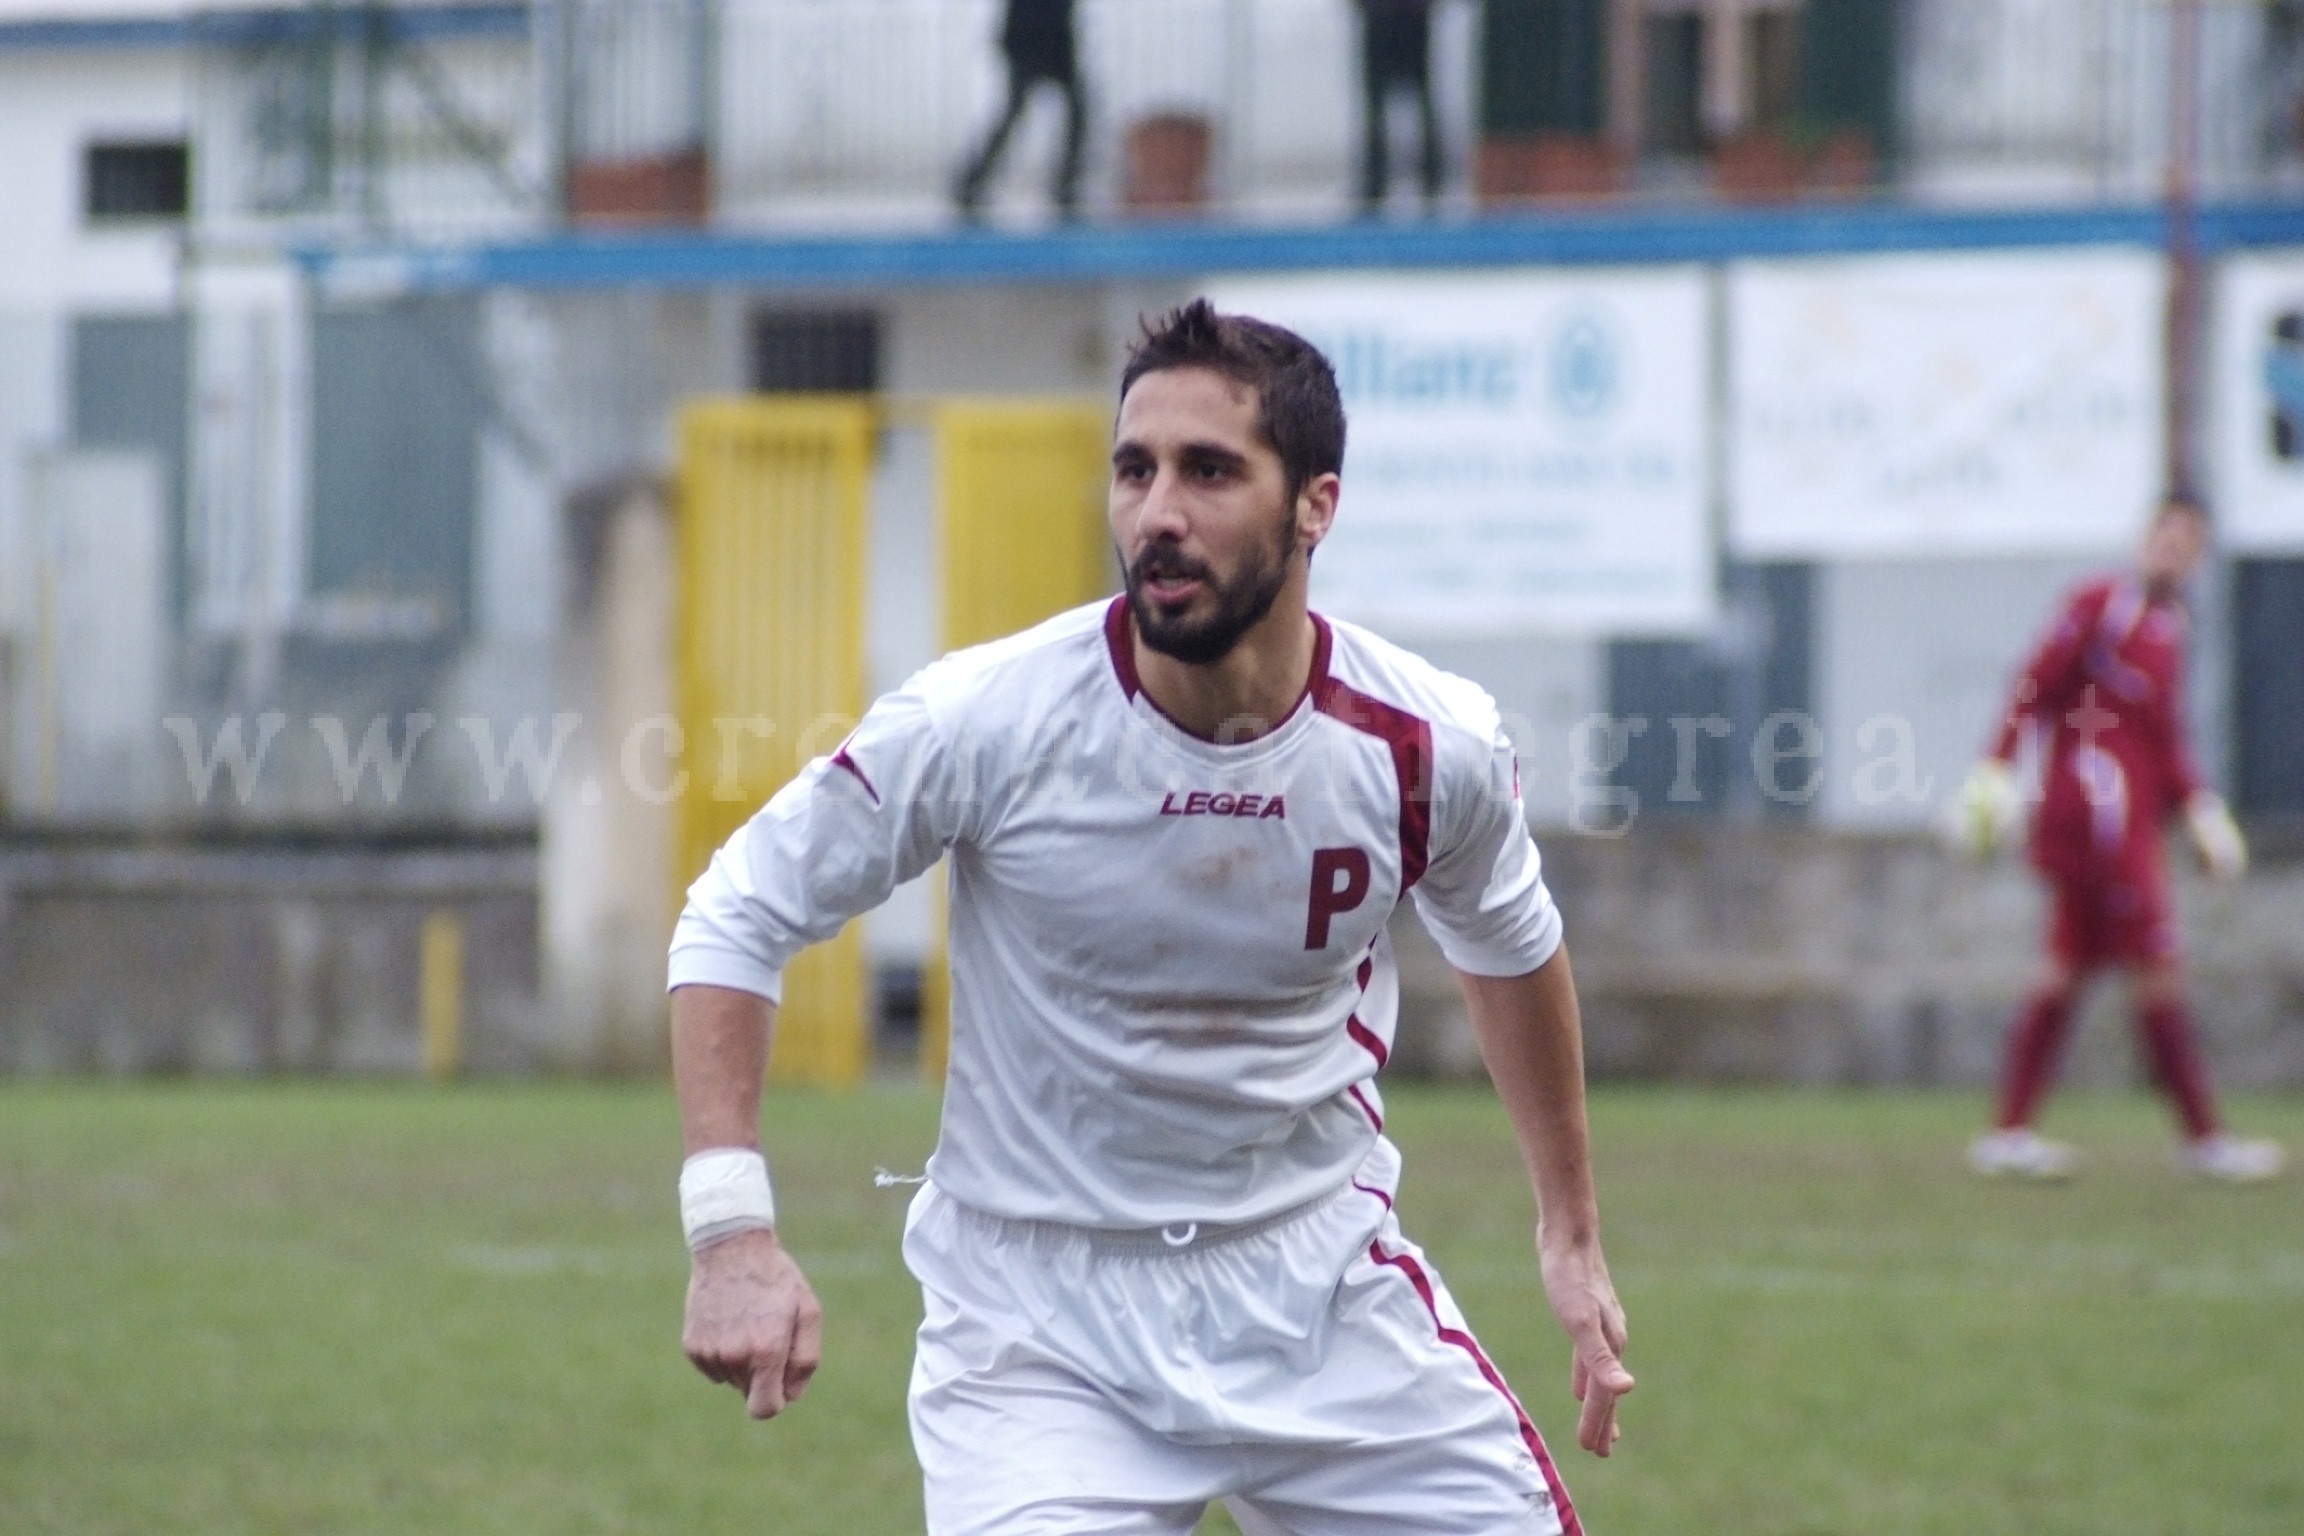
(383, 388)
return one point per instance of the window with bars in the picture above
(146, 180)
(805, 351)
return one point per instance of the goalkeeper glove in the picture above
(1988, 811)
(2216, 836)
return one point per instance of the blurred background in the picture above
(455, 459)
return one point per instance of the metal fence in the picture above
(2069, 99)
(484, 118)
(369, 120)
(869, 108)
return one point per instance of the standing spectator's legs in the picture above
(1376, 140)
(1428, 123)
(1067, 188)
(970, 193)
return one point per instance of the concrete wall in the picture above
(606, 898)
(1782, 954)
(85, 684)
(58, 100)
(54, 263)
(254, 959)
(1715, 955)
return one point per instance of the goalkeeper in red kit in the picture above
(2102, 700)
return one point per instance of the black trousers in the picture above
(1379, 83)
(1022, 77)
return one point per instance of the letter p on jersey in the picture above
(1339, 883)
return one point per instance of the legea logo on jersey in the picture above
(1203, 802)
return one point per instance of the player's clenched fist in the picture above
(752, 1321)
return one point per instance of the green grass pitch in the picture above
(322, 1309)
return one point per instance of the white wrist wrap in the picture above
(724, 1191)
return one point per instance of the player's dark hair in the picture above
(1298, 410)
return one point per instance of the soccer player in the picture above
(1156, 1244)
(2103, 695)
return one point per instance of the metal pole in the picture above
(2183, 243)
(375, 38)
(1236, 150)
(1627, 80)
(440, 994)
(559, 20)
(1725, 107)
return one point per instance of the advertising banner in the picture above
(2258, 379)
(1944, 404)
(1526, 450)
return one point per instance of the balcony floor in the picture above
(1099, 253)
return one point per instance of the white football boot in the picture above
(2232, 1159)
(2021, 1154)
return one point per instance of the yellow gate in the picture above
(1021, 536)
(773, 499)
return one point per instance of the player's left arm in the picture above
(1532, 1039)
(1484, 899)
(2208, 821)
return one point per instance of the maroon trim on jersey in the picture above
(1410, 739)
(1366, 1108)
(1370, 1189)
(1407, 1265)
(1323, 646)
(1120, 641)
(1361, 1034)
(841, 759)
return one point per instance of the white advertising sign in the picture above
(2259, 385)
(1526, 450)
(1944, 405)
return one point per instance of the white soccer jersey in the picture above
(1171, 987)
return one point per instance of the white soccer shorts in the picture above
(1312, 1372)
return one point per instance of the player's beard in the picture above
(1240, 603)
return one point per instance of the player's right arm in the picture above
(829, 846)
(1989, 809)
(752, 1321)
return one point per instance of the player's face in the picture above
(2173, 547)
(1200, 512)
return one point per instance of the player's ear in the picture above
(1316, 509)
